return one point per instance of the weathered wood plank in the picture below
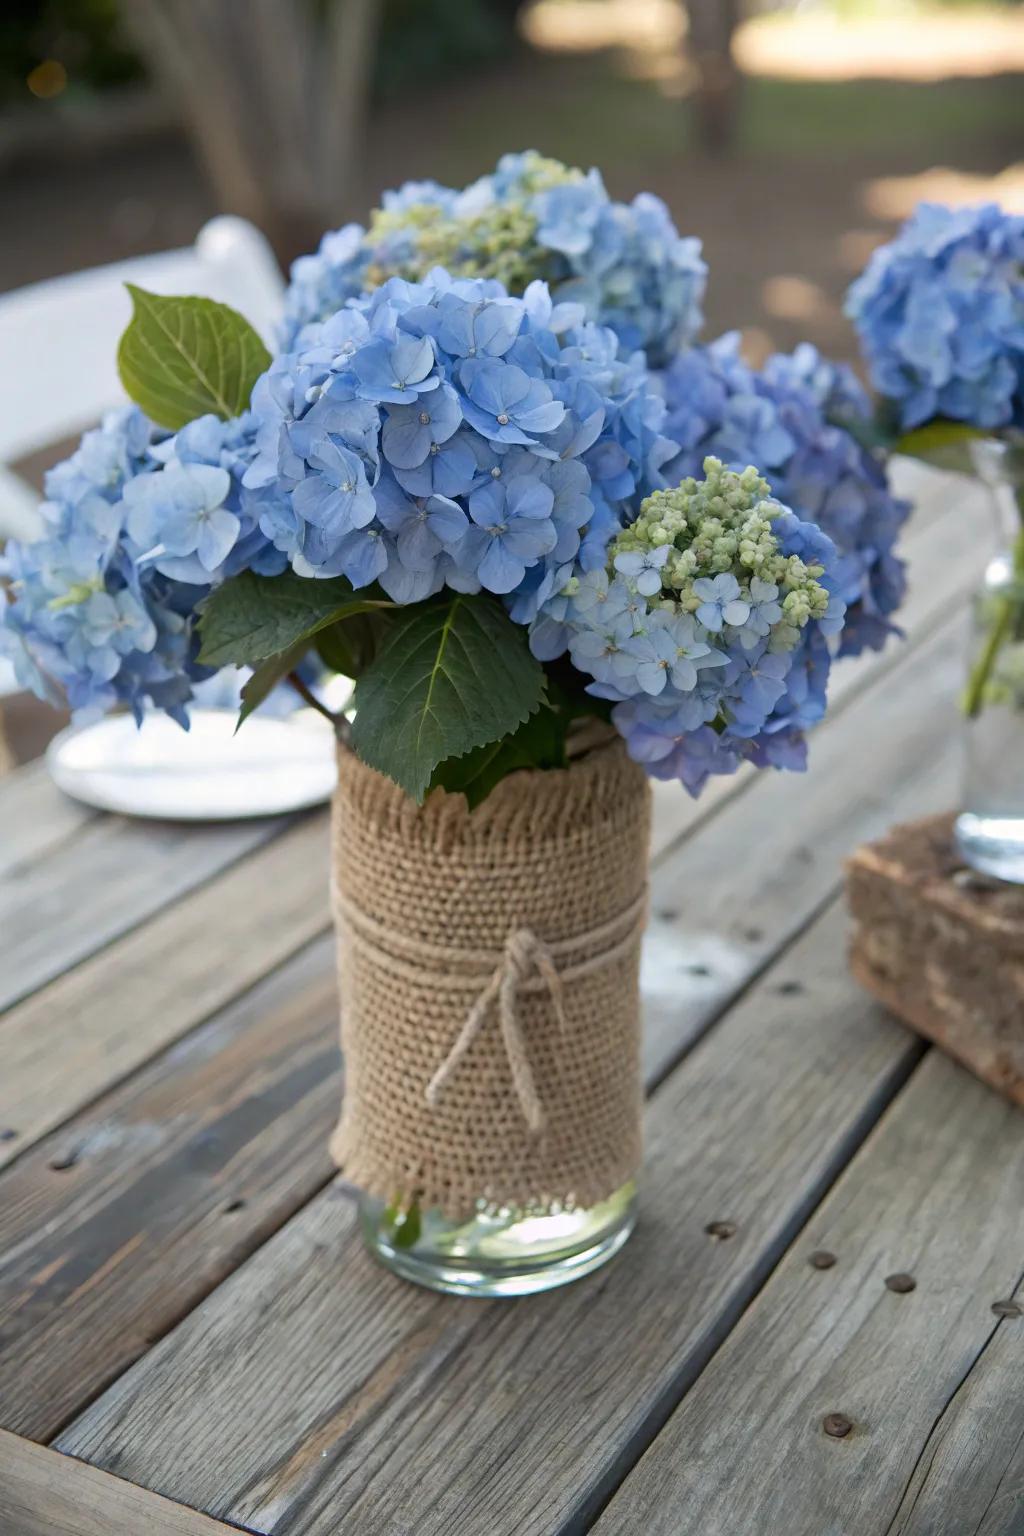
(935, 1194)
(35, 817)
(732, 911)
(740, 893)
(61, 908)
(747, 881)
(43, 1493)
(969, 1479)
(113, 1228)
(945, 558)
(690, 976)
(77, 1037)
(336, 1397)
(758, 898)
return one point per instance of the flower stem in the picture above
(340, 724)
(1002, 625)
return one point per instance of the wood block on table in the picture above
(942, 947)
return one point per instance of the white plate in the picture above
(205, 774)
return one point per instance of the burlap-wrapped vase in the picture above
(489, 985)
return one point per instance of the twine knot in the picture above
(523, 954)
(524, 964)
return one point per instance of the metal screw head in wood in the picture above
(1007, 1308)
(837, 1425)
(822, 1259)
(900, 1283)
(720, 1230)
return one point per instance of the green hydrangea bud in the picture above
(499, 241)
(723, 524)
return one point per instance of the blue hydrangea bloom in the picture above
(139, 524)
(444, 434)
(531, 218)
(788, 419)
(705, 671)
(940, 316)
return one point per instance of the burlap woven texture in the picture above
(426, 899)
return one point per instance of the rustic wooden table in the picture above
(192, 1339)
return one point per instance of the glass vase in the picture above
(990, 827)
(498, 1252)
(490, 1019)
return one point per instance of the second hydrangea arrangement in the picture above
(940, 315)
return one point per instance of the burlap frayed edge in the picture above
(398, 1185)
(560, 798)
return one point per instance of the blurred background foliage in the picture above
(88, 38)
(791, 135)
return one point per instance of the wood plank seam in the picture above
(898, 1519)
(84, 1106)
(242, 1110)
(37, 829)
(676, 1390)
(39, 1475)
(253, 1243)
(731, 999)
(108, 830)
(266, 1510)
(751, 1443)
(59, 845)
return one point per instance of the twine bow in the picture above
(525, 963)
(523, 951)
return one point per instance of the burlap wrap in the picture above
(488, 965)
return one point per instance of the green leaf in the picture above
(450, 676)
(349, 646)
(539, 743)
(266, 677)
(946, 444)
(180, 358)
(252, 617)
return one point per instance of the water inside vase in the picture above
(990, 828)
(498, 1252)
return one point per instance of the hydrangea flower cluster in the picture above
(706, 626)
(788, 418)
(940, 314)
(139, 524)
(532, 218)
(443, 434)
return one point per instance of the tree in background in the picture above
(274, 93)
(711, 29)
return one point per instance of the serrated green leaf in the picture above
(349, 646)
(252, 617)
(183, 357)
(266, 677)
(449, 677)
(539, 743)
(946, 444)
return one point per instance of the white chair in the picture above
(58, 346)
(58, 341)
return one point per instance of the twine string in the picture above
(525, 964)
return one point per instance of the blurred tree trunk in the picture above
(712, 24)
(274, 93)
